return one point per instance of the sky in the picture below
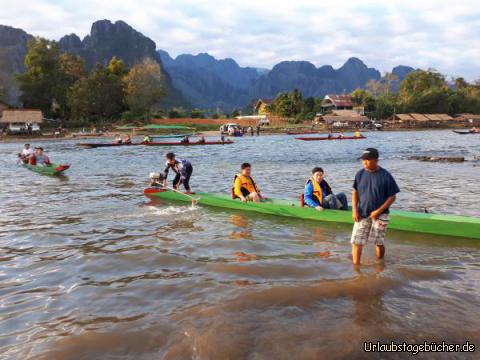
(439, 34)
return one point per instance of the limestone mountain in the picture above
(13, 48)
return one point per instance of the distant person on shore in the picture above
(250, 128)
(118, 139)
(222, 138)
(38, 158)
(258, 130)
(26, 153)
(244, 187)
(183, 170)
(374, 191)
(127, 139)
(318, 194)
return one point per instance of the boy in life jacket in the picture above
(244, 186)
(318, 194)
(39, 158)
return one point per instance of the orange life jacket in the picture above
(247, 183)
(317, 190)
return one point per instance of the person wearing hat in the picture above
(39, 158)
(374, 191)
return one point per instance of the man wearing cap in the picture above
(39, 158)
(374, 191)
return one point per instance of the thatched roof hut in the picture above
(21, 116)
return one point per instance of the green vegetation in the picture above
(58, 84)
(421, 91)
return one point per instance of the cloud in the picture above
(428, 33)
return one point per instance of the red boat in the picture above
(166, 143)
(302, 132)
(331, 138)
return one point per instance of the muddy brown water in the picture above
(91, 269)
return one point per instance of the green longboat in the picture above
(52, 170)
(448, 225)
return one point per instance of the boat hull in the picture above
(166, 143)
(53, 170)
(446, 225)
(332, 138)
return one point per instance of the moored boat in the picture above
(192, 143)
(53, 170)
(447, 225)
(331, 138)
(466, 132)
(97, 145)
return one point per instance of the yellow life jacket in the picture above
(317, 190)
(247, 183)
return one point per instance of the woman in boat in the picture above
(318, 194)
(244, 187)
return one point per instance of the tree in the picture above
(117, 67)
(144, 87)
(419, 81)
(373, 87)
(388, 80)
(48, 76)
(177, 112)
(197, 114)
(282, 105)
(39, 83)
(98, 96)
(296, 99)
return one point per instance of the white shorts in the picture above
(370, 230)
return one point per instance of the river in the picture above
(91, 269)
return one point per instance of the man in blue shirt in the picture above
(374, 191)
(318, 194)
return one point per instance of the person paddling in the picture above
(357, 134)
(183, 170)
(374, 191)
(147, 139)
(127, 140)
(118, 139)
(244, 187)
(39, 158)
(26, 153)
(318, 194)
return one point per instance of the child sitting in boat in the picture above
(39, 158)
(25, 154)
(244, 187)
(318, 194)
(127, 139)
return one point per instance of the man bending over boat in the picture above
(183, 171)
(39, 158)
(374, 191)
(244, 187)
(318, 194)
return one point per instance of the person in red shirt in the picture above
(39, 158)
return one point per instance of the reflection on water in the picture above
(90, 269)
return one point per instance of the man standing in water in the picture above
(374, 191)
(182, 169)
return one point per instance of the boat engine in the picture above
(156, 179)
